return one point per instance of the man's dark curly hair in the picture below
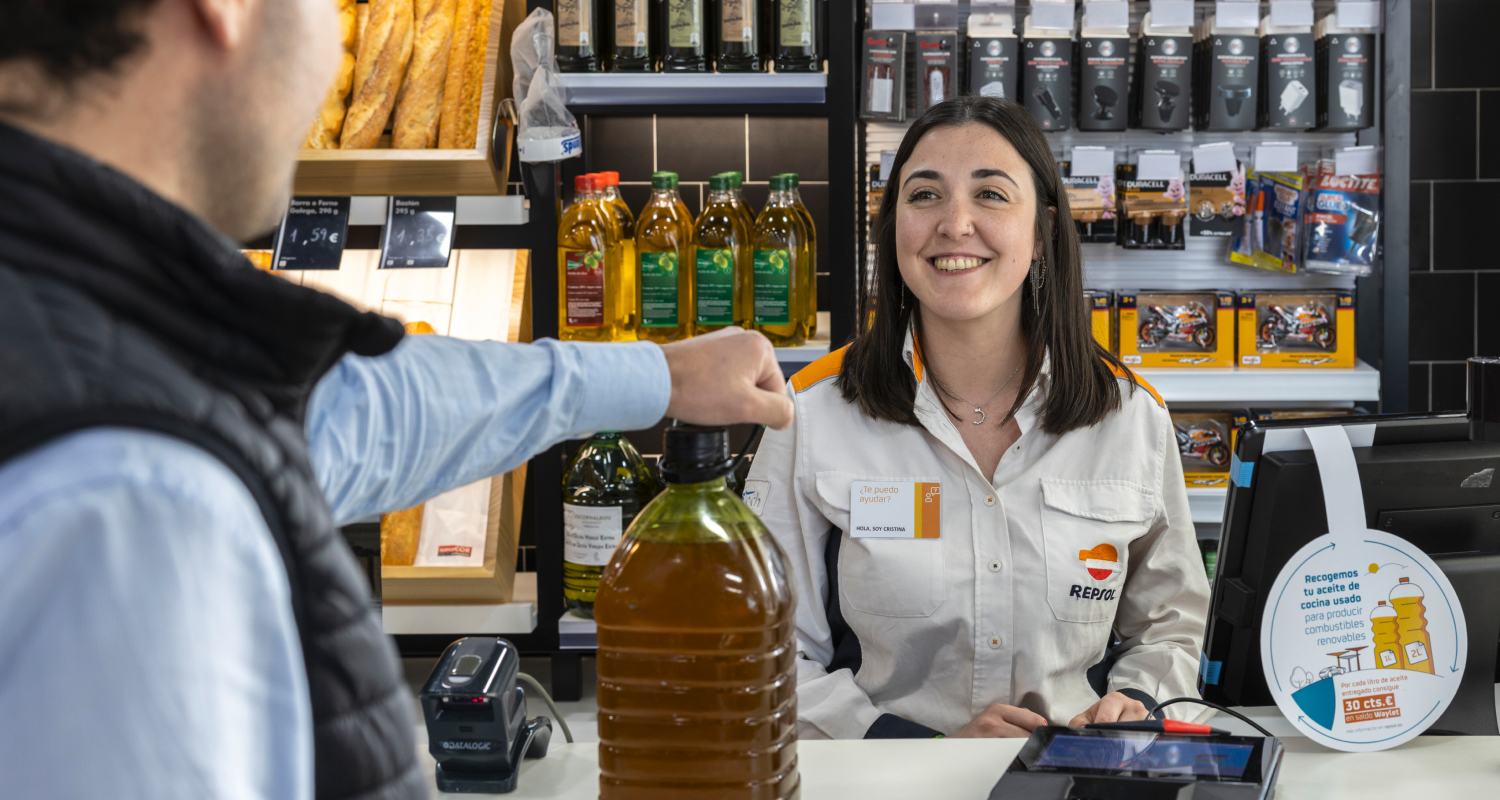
(70, 40)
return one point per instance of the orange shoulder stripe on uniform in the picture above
(818, 371)
(1125, 374)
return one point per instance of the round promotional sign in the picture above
(1363, 641)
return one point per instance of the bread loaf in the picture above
(384, 53)
(459, 126)
(330, 120)
(420, 104)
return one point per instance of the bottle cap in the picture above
(664, 180)
(720, 183)
(611, 178)
(691, 454)
(792, 180)
(584, 183)
(779, 183)
(736, 179)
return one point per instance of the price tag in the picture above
(1237, 13)
(1092, 162)
(1158, 165)
(1276, 157)
(312, 234)
(418, 232)
(1359, 14)
(1292, 13)
(1357, 161)
(1214, 157)
(1171, 13)
(1052, 15)
(1106, 14)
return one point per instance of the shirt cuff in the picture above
(622, 387)
(890, 726)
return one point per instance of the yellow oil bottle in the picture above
(1411, 626)
(611, 197)
(589, 305)
(721, 277)
(663, 243)
(1387, 640)
(782, 279)
(810, 311)
(745, 306)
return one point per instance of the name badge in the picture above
(895, 510)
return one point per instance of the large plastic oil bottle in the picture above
(697, 682)
(1387, 640)
(588, 268)
(1411, 626)
(810, 312)
(721, 285)
(782, 277)
(610, 196)
(604, 487)
(663, 243)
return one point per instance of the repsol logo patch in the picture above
(1091, 593)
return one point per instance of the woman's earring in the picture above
(1038, 279)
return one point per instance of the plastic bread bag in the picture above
(1342, 219)
(547, 131)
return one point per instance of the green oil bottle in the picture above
(721, 275)
(663, 243)
(782, 277)
(604, 487)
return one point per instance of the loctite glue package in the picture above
(1341, 221)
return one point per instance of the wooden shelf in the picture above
(516, 617)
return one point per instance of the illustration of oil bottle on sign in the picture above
(1411, 626)
(605, 485)
(1387, 640)
(783, 278)
(612, 199)
(589, 250)
(663, 243)
(721, 243)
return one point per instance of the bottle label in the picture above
(797, 20)
(738, 21)
(630, 23)
(659, 290)
(574, 26)
(773, 287)
(685, 24)
(714, 271)
(584, 288)
(590, 533)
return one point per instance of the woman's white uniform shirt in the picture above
(1072, 537)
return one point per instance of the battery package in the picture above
(1228, 69)
(1346, 78)
(1296, 329)
(1152, 212)
(1269, 234)
(1103, 76)
(1164, 78)
(1217, 202)
(936, 68)
(1047, 75)
(1091, 200)
(1340, 222)
(994, 70)
(1102, 318)
(883, 76)
(1176, 329)
(1205, 441)
(1289, 85)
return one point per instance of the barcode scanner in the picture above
(477, 729)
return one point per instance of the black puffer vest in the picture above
(119, 309)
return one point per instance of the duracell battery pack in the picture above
(936, 68)
(994, 70)
(883, 76)
(1289, 85)
(1229, 68)
(1164, 78)
(1047, 75)
(1346, 78)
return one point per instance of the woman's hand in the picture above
(1001, 721)
(1113, 707)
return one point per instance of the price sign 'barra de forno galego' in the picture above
(312, 234)
(418, 232)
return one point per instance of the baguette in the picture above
(459, 127)
(384, 54)
(420, 104)
(330, 119)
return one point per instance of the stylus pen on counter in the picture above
(1158, 726)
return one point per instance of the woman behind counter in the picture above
(1061, 514)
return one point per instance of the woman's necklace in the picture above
(979, 413)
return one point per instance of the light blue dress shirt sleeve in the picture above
(436, 413)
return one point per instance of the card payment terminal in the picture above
(1072, 764)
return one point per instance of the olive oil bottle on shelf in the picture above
(810, 312)
(797, 33)
(721, 285)
(697, 651)
(744, 307)
(577, 36)
(589, 266)
(605, 485)
(684, 26)
(739, 36)
(630, 48)
(663, 243)
(781, 274)
(611, 198)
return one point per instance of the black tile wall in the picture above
(1489, 122)
(1462, 214)
(635, 195)
(1442, 135)
(1464, 31)
(1421, 223)
(1487, 342)
(1449, 387)
(1419, 388)
(698, 147)
(1421, 44)
(623, 144)
(1442, 316)
(788, 144)
(816, 200)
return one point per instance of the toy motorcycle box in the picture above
(1296, 329)
(1205, 441)
(1177, 329)
(1102, 317)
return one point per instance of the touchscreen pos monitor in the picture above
(1423, 478)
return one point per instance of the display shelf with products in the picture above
(668, 89)
(1207, 506)
(1266, 386)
